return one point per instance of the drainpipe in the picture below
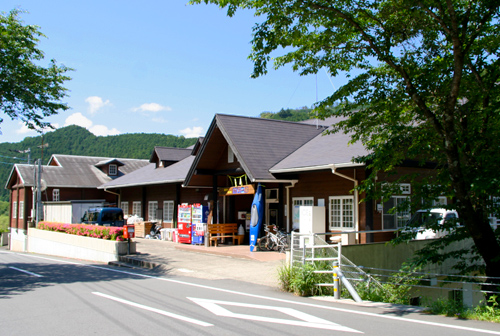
(114, 193)
(288, 226)
(356, 193)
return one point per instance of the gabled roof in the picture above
(175, 173)
(109, 161)
(73, 171)
(325, 151)
(169, 154)
(257, 143)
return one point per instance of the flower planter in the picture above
(78, 247)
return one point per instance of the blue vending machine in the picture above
(199, 217)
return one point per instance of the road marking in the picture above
(27, 272)
(309, 321)
(350, 311)
(154, 310)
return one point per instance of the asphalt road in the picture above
(53, 296)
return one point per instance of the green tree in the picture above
(423, 84)
(28, 91)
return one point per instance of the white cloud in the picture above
(152, 107)
(194, 132)
(25, 130)
(101, 130)
(78, 119)
(98, 130)
(96, 103)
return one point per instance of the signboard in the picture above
(239, 190)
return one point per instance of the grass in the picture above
(301, 280)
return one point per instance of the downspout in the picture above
(356, 193)
(287, 205)
(114, 193)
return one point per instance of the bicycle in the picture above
(273, 241)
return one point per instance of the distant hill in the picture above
(299, 114)
(76, 140)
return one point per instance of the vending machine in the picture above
(184, 223)
(199, 217)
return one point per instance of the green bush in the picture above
(303, 281)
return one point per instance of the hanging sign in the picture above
(239, 190)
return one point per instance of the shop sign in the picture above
(239, 190)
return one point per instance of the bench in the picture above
(226, 230)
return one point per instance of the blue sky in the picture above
(156, 66)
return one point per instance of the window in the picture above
(55, 195)
(136, 209)
(113, 169)
(341, 212)
(299, 201)
(405, 188)
(152, 206)
(168, 211)
(272, 196)
(21, 209)
(440, 201)
(398, 217)
(124, 206)
(14, 209)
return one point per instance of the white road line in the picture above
(154, 310)
(306, 320)
(350, 311)
(27, 272)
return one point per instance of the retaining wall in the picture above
(78, 247)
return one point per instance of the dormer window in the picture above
(113, 170)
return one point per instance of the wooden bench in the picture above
(226, 230)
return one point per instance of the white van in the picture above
(421, 217)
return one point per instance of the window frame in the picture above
(113, 170)
(342, 213)
(295, 212)
(136, 205)
(21, 210)
(124, 207)
(397, 214)
(152, 213)
(167, 205)
(56, 195)
(14, 209)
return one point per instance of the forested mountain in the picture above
(76, 140)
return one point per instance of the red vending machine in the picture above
(184, 223)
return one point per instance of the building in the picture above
(65, 178)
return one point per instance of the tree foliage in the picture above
(301, 114)
(28, 91)
(423, 85)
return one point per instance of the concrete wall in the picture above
(72, 246)
(391, 257)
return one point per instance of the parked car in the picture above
(422, 218)
(104, 216)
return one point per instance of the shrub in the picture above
(86, 230)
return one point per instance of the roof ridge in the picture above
(97, 157)
(274, 120)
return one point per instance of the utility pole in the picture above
(39, 208)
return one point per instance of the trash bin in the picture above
(164, 234)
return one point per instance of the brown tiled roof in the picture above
(72, 171)
(258, 143)
(170, 154)
(175, 173)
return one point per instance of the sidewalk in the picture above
(222, 262)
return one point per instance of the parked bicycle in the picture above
(274, 240)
